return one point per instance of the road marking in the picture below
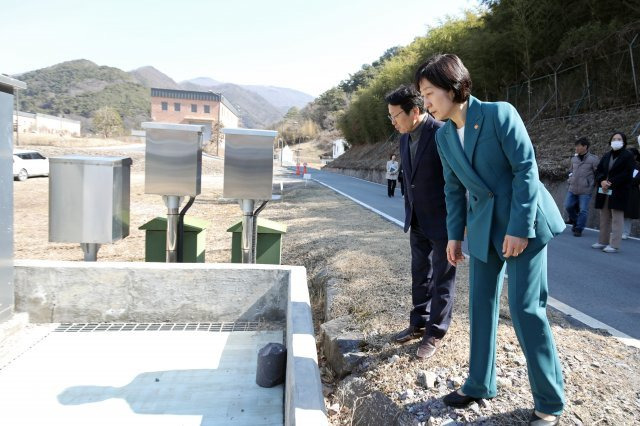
(554, 303)
(592, 322)
(366, 206)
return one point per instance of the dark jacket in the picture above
(619, 175)
(424, 183)
(633, 205)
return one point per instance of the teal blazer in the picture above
(498, 168)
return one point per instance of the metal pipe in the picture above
(247, 230)
(90, 251)
(173, 215)
(181, 229)
(254, 232)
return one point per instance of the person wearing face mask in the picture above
(613, 180)
(509, 218)
(632, 211)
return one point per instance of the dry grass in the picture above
(368, 258)
(26, 139)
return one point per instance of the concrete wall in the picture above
(227, 117)
(372, 175)
(53, 291)
(304, 402)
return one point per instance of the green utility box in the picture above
(269, 245)
(155, 246)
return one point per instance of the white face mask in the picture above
(616, 145)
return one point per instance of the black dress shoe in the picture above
(455, 400)
(534, 420)
(410, 333)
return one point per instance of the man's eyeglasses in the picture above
(393, 117)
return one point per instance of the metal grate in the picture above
(214, 327)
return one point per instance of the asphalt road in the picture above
(601, 285)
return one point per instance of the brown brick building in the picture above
(191, 107)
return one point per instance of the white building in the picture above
(43, 123)
(339, 146)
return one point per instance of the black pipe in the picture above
(180, 235)
(254, 234)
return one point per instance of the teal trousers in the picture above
(528, 306)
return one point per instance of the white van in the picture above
(29, 163)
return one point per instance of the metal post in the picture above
(586, 74)
(17, 118)
(173, 215)
(90, 251)
(633, 68)
(247, 231)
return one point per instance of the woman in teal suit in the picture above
(509, 217)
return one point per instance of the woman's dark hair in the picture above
(624, 138)
(391, 156)
(407, 97)
(447, 72)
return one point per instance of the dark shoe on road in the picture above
(427, 347)
(534, 420)
(409, 333)
(577, 233)
(455, 400)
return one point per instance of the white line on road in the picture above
(556, 304)
(366, 206)
(592, 322)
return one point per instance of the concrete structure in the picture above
(339, 147)
(8, 87)
(287, 156)
(71, 292)
(191, 107)
(42, 123)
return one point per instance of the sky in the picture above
(304, 45)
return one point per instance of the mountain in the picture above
(76, 89)
(255, 111)
(204, 81)
(150, 77)
(280, 97)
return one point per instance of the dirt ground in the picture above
(368, 258)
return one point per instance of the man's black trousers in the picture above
(433, 283)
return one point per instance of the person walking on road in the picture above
(632, 211)
(392, 175)
(509, 218)
(613, 177)
(432, 277)
(581, 185)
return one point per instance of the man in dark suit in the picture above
(433, 278)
